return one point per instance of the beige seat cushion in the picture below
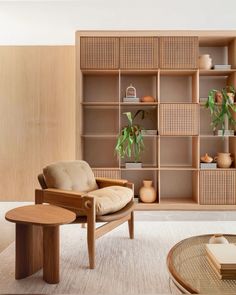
(111, 199)
(70, 175)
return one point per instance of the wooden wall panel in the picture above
(37, 114)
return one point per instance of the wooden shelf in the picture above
(180, 90)
(216, 72)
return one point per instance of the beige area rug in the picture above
(124, 266)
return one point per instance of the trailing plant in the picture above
(130, 140)
(223, 111)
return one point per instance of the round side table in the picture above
(37, 239)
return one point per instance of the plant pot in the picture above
(133, 165)
(219, 97)
(224, 160)
(147, 192)
(225, 133)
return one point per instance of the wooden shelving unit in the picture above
(107, 62)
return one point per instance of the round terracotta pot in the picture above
(147, 98)
(147, 192)
(224, 160)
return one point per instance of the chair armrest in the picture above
(104, 182)
(67, 199)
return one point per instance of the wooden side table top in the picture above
(44, 215)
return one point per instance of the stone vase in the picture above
(147, 192)
(205, 62)
(224, 160)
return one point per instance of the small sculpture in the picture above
(206, 159)
(147, 98)
(130, 91)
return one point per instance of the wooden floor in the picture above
(8, 229)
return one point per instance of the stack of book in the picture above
(222, 258)
(222, 67)
(131, 99)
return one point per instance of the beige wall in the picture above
(37, 114)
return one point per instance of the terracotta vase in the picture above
(205, 62)
(218, 239)
(224, 160)
(147, 192)
(147, 98)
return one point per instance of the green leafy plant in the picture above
(223, 111)
(130, 140)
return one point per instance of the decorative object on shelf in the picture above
(225, 133)
(147, 192)
(206, 159)
(149, 132)
(222, 67)
(218, 239)
(130, 94)
(205, 62)
(224, 160)
(147, 98)
(221, 112)
(208, 165)
(130, 140)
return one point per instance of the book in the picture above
(221, 276)
(149, 132)
(130, 99)
(222, 67)
(223, 255)
(208, 165)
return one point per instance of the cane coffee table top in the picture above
(190, 271)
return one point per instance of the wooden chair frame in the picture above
(85, 205)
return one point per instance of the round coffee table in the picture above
(37, 239)
(190, 271)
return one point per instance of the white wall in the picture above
(54, 22)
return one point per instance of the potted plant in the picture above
(130, 141)
(222, 108)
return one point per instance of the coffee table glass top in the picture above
(191, 272)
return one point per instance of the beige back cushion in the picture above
(70, 175)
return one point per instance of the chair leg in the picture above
(91, 243)
(131, 225)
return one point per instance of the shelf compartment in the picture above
(213, 145)
(138, 52)
(99, 52)
(218, 187)
(179, 119)
(99, 152)
(183, 88)
(150, 120)
(145, 84)
(137, 178)
(176, 186)
(179, 153)
(184, 55)
(100, 120)
(101, 88)
(149, 156)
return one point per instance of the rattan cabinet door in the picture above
(99, 53)
(179, 119)
(139, 52)
(218, 187)
(178, 52)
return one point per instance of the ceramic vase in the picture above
(224, 160)
(147, 192)
(218, 239)
(205, 62)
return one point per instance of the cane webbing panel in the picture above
(218, 187)
(179, 119)
(178, 52)
(108, 173)
(99, 53)
(139, 52)
(188, 265)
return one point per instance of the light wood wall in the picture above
(37, 114)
